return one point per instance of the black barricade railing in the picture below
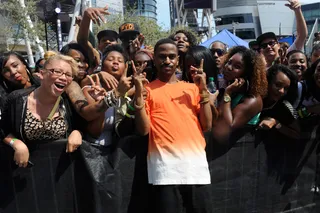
(56, 182)
(258, 172)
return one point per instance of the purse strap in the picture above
(54, 109)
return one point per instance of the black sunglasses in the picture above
(270, 43)
(256, 49)
(219, 52)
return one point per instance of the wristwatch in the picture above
(226, 98)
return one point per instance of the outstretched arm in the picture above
(205, 114)
(302, 31)
(88, 111)
(94, 14)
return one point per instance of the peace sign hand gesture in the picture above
(96, 91)
(199, 77)
(139, 78)
(124, 83)
(97, 14)
(136, 44)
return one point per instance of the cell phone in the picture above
(130, 69)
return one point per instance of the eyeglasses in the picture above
(58, 73)
(270, 43)
(40, 66)
(219, 52)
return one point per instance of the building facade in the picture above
(114, 6)
(311, 12)
(145, 8)
(249, 18)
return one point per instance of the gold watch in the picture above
(226, 98)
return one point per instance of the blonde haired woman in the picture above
(37, 125)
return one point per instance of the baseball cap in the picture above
(267, 35)
(128, 28)
(109, 33)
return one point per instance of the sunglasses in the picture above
(256, 49)
(219, 52)
(270, 43)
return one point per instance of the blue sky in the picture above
(163, 13)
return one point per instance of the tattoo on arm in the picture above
(76, 97)
(101, 106)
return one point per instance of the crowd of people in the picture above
(80, 105)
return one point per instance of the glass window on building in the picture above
(307, 15)
(247, 33)
(315, 14)
(241, 18)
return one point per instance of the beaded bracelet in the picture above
(129, 116)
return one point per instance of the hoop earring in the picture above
(248, 86)
(29, 74)
(5, 85)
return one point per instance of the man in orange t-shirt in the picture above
(174, 115)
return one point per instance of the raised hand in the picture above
(78, 21)
(235, 86)
(136, 44)
(293, 4)
(282, 54)
(138, 70)
(139, 79)
(95, 90)
(97, 14)
(199, 77)
(124, 83)
(109, 81)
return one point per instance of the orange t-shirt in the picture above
(176, 152)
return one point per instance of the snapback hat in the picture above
(128, 28)
(267, 35)
(109, 33)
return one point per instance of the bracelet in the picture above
(303, 112)
(12, 142)
(137, 107)
(129, 116)
(110, 100)
(114, 99)
(205, 95)
(131, 108)
(204, 101)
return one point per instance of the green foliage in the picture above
(148, 27)
(15, 20)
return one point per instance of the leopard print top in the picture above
(44, 130)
